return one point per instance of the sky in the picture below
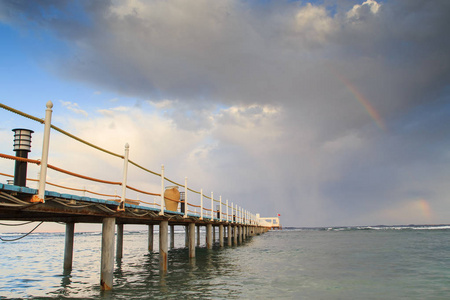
(329, 113)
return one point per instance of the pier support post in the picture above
(214, 234)
(191, 240)
(235, 236)
(186, 235)
(198, 235)
(221, 235)
(119, 244)
(209, 236)
(150, 237)
(229, 236)
(163, 244)
(172, 236)
(68, 247)
(107, 258)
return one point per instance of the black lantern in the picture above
(22, 145)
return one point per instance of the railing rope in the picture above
(21, 113)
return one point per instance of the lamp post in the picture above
(22, 145)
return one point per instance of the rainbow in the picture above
(425, 208)
(363, 100)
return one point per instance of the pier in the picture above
(176, 204)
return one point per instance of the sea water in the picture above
(321, 263)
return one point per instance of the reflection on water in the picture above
(185, 277)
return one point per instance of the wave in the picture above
(376, 227)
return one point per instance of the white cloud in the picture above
(314, 23)
(74, 107)
(166, 103)
(360, 11)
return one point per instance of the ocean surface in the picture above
(404, 262)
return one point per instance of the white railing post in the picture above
(212, 206)
(232, 212)
(201, 204)
(240, 214)
(185, 197)
(227, 210)
(161, 212)
(220, 208)
(44, 159)
(236, 213)
(124, 178)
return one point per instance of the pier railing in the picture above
(196, 202)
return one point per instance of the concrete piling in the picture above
(68, 246)
(119, 243)
(191, 240)
(209, 236)
(172, 236)
(163, 244)
(229, 242)
(198, 236)
(107, 257)
(221, 235)
(239, 233)
(150, 237)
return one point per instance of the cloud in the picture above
(74, 107)
(277, 103)
(370, 7)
